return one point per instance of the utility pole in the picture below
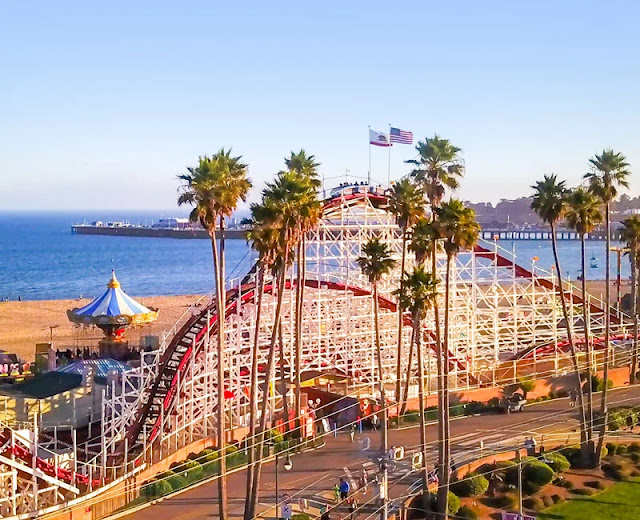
(519, 461)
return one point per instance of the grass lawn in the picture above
(620, 502)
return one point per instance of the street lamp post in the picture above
(287, 466)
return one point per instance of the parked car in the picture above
(514, 403)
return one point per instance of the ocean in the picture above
(41, 260)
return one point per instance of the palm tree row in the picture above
(214, 189)
(581, 208)
(289, 209)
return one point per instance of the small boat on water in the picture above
(594, 262)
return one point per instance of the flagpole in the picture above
(389, 166)
(369, 173)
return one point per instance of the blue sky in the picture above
(102, 104)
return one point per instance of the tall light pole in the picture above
(287, 466)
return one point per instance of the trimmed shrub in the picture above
(558, 462)
(617, 468)
(564, 483)
(547, 501)
(494, 402)
(191, 470)
(474, 407)
(503, 502)
(616, 420)
(595, 484)
(621, 449)
(611, 448)
(301, 516)
(537, 472)
(467, 512)
(586, 492)
(155, 488)
(273, 435)
(634, 456)
(557, 499)
(471, 486)
(454, 503)
(174, 480)
(533, 503)
(634, 447)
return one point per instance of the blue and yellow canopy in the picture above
(114, 307)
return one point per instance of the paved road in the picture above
(315, 473)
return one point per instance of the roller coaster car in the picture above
(514, 403)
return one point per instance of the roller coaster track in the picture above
(186, 342)
(546, 348)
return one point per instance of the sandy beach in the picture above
(23, 324)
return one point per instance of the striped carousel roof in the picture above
(113, 307)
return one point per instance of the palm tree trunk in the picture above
(400, 319)
(443, 489)
(218, 266)
(607, 327)
(572, 347)
(298, 352)
(265, 397)
(417, 340)
(634, 309)
(587, 347)
(253, 392)
(440, 374)
(383, 395)
(405, 394)
(283, 382)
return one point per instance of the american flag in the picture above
(401, 136)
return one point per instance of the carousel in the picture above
(112, 313)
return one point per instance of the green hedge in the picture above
(471, 486)
(155, 488)
(558, 462)
(537, 473)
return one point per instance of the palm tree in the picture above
(438, 168)
(424, 238)
(583, 214)
(376, 262)
(406, 202)
(609, 172)
(550, 204)
(263, 237)
(214, 189)
(282, 198)
(310, 212)
(417, 294)
(459, 230)
(631, 236)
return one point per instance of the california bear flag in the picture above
(378, 138)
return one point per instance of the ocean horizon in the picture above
(40, 259)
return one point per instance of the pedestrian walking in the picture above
(353, 432)
(353, 506)
(374, 421)
(573, 397)
(364, 481)
(344, 488)
(336, 493)
(359, 421)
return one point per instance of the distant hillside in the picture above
(518, 212)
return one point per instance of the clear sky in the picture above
(102, 104)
